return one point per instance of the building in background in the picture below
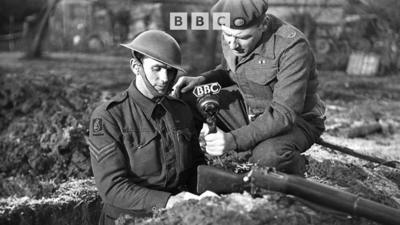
(97, 25)
(336, 28)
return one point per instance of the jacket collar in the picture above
(145, 104)
(265, 47)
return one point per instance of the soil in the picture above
(45, 169)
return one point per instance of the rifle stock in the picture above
(222, 182)
(209, 178)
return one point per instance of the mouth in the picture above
(239, 52)
(161, 88)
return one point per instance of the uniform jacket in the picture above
(137, 162)
(278, 81)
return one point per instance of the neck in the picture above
(139, 83)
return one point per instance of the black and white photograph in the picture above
(199, 112)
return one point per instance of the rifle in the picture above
(345, 150)
(223, 182)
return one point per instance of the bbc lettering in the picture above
(199, 21)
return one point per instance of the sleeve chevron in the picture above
(100, 152)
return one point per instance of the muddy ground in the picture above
(44, 167)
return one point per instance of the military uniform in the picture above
(278, 83)
(141, 152)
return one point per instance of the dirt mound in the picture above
(266, 207)
(75, 202)
(235, 209)
(44, 119)
(377, 184)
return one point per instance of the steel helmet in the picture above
(158, 45)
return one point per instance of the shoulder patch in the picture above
(288, 31)
(97, 127)
(100, 153)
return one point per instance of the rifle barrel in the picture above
(327, 196)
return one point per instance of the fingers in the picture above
(177, 87)
(209, 194)
(219, 142)
(215, 143)
(188, 83)
(182, 196)
(189, 86)
(188, 195)
(205, 129)
(185, 84)
(214, 151)
(213, 138)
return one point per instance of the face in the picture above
(242, 42)
(158, 74)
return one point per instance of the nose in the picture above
(233, 43)
(163, 75)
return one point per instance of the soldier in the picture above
(144, 149)
(272, 68)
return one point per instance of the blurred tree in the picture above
(19, 10)
(121, 26)
(35, 50)
(29, 17)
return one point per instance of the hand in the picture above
(182, 196)
(219, 142)
(209, 194)
(185, 84)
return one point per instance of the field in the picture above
(45, 175)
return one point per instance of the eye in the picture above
(156, 68)
(245, 37)
(172, 71)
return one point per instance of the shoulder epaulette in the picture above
(289, 32)
(117, 99)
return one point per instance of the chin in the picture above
(163, 92)
(241, 54)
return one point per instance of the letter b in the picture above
(178, 21)
(200, 21)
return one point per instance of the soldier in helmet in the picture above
(272, 107)
(143, 144)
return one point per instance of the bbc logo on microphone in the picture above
(198, 20)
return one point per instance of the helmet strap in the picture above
(139, 71)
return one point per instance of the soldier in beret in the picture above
(143, 144)
(271, 107)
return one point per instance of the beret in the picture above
(243, 13)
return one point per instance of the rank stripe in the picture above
(100, 155)
(100, 152)
(102, 148)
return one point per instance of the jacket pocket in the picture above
(185, 137)
(261, 74)
(144, 154)
(261, 80)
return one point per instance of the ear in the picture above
(134, 66)
(264, 23)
